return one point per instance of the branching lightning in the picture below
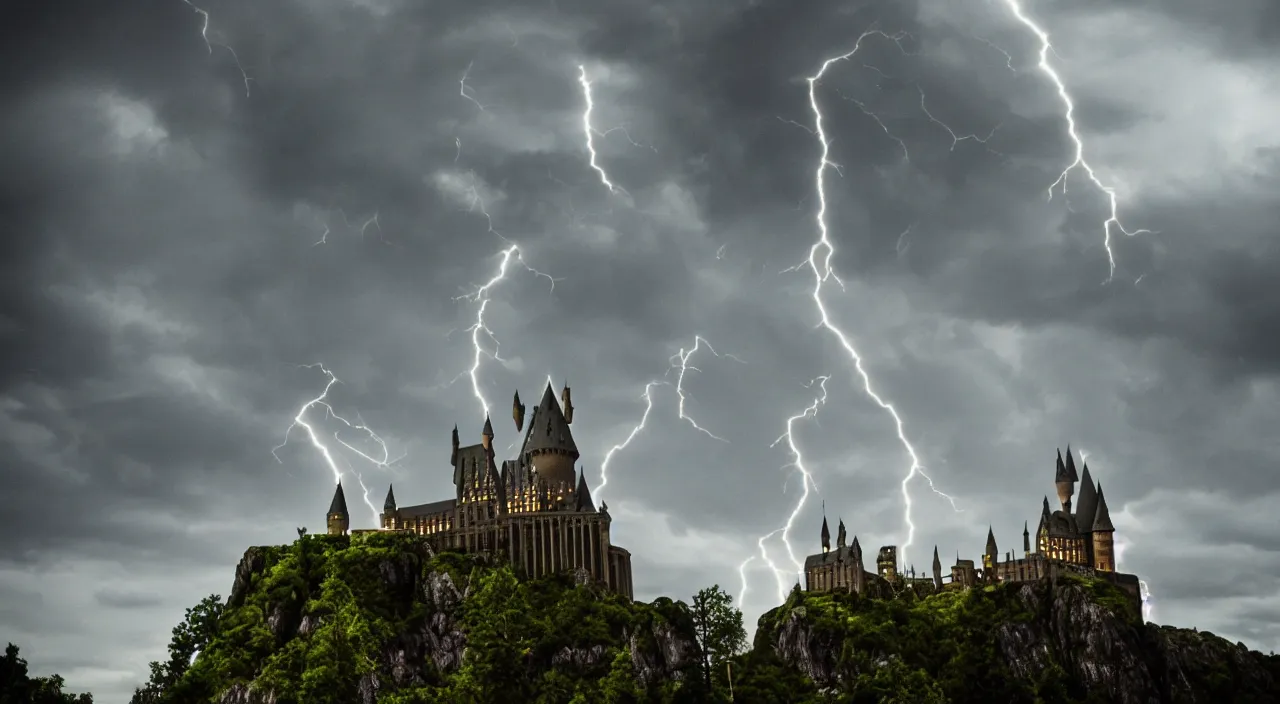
(678, 364)
(1113, 219)
(204, 34)
(819, 263)
(383, 460)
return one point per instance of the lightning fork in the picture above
(462, 89)
(204, 34)
(955, 138)
(819, 262)
(1113, 219)
(679, 363)
(330, 459)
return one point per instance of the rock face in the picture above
(1069, 639)
(391, 618)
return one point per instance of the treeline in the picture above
(19, 687)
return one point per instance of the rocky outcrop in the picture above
(1041, 634)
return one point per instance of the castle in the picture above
(536, 510)
(1082, 542)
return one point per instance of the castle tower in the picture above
(937, 570)
(549, 446)
(566, 402)
(1026, 540)
(486, 435)
(990, 556)
(887, 562)
(826, 536)
(453, 456)
(389, 509)
(859, 574)
(338, 519)
(1065, 479)
(840, 536)
(1104, 559)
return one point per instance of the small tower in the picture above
(567, 403)
(517, 413)
(1104, 559)
(389, 509)
(840, 536)
(887, 562)
(453, 457)
(338, 520)
(859, 575)
(1065, 479)
(486, 435)
(826, 537)
(1026, 540)
(990, 556)
(937, 570)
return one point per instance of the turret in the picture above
(582, 495)
(887, 562)
(1026, 539)
(549, 446)
(567, 404)
(486, 435)
(1104, 559)
(338, 519)
(453, 457)
(517, 413)
(389, 509)
(1086, 502)
(990, 556)
(859, 573)
(1065, 480)
(937, 570)
(826, 536)
(840, 536)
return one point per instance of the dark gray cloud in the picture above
(175, 252)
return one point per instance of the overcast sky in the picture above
(189, 220)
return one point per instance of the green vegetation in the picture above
(17, 687)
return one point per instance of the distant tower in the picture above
(937, 570)
(549, 447)
(1026, 540)
(887, 562)
(567, 402)
(453, 456)
(859, 575)
(840, 536)
(1065, 478)
(339, 519)
(989, 557)
(1104, 559)
(389, 509)
(826, 537)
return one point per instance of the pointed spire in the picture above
(390, 504)
(338, 506)
(840, 535)
(1102, 522)
(826, 535)
(1060, 470)
(582, 493)
(991, 540)
(488, 428)
(1087, 506)
(517, 412)
(1045, 510)
(937, 563)
(1071, 465)
(549, 429)
(566, 401)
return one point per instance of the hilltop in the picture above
(382, 618)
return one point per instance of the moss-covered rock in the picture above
(1073, 640)
(385, 619)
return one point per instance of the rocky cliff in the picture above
(1073, 640)
(385, 619)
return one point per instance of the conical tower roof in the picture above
(826, 534)
(339, 504)
(1060, 470)
(991, 540)
(1071, 466)
(1102, 522)
(1087, 503)
(937, 563)
(390, 503)
(488, 428)
(548, 430)
(583, 494)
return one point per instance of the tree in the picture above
(719, 630)
(17, 688)
(190, 637)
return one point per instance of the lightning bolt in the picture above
(590, 132)
(819, 263)
(679, 364)
(1113, 219)
(383, 461)
(204, 34)
(462, 90)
